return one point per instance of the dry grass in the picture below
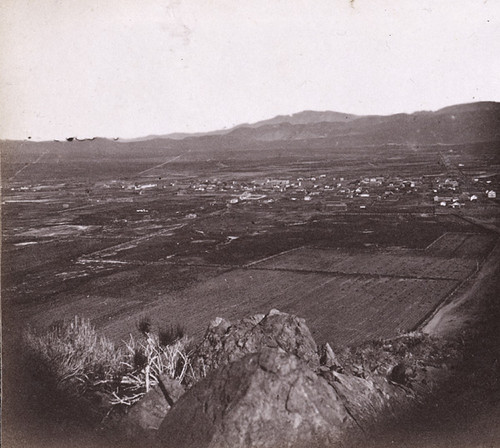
(85, 365)
(147, 360)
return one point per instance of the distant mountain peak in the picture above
(325, 123)
(305, 117)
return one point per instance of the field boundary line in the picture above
(160, 165)
(252, 263)
(437, 239)
(28, 165)
(349, 274)
(227, 267)
(133, 242)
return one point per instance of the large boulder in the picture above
(143, 419)
(225, 342)
(266, 399)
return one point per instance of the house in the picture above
(492, 194)
(278, 183)
(334, 205)
(443, 199)
(473, 197)
(145, 186)
(247, 196)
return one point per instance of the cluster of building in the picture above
(333, 191)
(325, 190)
(336, 192)
(452, 193)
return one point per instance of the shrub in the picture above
(82, 364)
(144, 325)
(76, 357)
(155, 360)
(171, 334)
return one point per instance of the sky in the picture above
(130, 68)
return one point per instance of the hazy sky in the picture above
(137, 67)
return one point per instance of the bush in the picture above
(144, 325)
(171, 334)
(148, 360)
(76, 357)
(88, 366)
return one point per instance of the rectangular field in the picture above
(463, 245)
(447, 243)
(338, 309)
(412, 264)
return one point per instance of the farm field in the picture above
(367, 295)
(411, 264)
(338, 309)
(176, 238)
(345, 297)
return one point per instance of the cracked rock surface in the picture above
(265, 399)
(225, 342)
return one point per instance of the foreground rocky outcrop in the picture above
(265, 399)
(263, 382)
(225, 342)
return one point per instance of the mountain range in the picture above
(307, 130)
(462, 123)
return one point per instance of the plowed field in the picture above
(411, 264)
(338, 309)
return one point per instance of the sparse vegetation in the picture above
(83, 365)
(410, 352)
